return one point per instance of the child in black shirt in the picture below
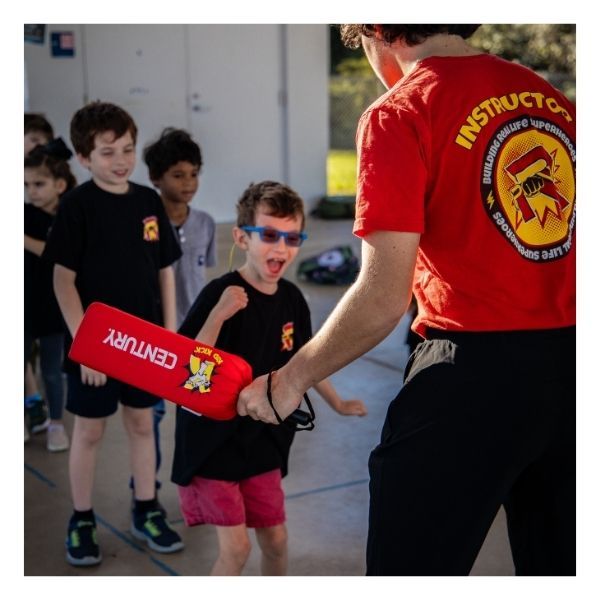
(47, 177)
(37, 132)
(229, 472)
(112, 243)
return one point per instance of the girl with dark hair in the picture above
(47, 177)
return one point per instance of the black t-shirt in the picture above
(116, 244)
(42, 315)
(267, 333)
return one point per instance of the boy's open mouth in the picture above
(275, 265)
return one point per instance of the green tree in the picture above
(542, 47)
(548, 49)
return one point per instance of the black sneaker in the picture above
(153, 528)
(38, 417)
(82, 544)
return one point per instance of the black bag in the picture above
(335, 207)
(334, 266)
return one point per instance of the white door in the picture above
(143, 69)
(235, 108)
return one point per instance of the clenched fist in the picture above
(233, 299)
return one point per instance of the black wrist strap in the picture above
(297, 417)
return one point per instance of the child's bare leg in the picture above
(138, 424)
(234, 550)
(87, 435)
(273, 543)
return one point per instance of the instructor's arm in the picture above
(366, 314)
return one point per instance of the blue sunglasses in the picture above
(271, 236)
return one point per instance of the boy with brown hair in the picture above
(111, 243)
(229, 472)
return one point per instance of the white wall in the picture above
(235, 110)
(141, 68)
(56, 85)
(308, 101)
(161, 74)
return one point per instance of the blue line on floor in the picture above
(163, 566)
(39, 476)
(382, 363)
(106, 524)
(119, 534)
(326, 489)
(135, 546)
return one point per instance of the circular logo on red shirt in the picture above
(528, 187)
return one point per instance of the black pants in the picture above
(483, 420)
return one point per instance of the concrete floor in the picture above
(326, 490)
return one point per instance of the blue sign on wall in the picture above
(62, 43)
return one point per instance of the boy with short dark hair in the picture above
(229, 472)
(111, 243)
(174, 162)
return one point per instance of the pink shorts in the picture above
(256, 502)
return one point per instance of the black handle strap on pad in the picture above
(299, 420)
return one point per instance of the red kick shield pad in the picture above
(156, 360)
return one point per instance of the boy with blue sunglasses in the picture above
(271, 236)
(229, 472)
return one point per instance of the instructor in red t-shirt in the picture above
(466, 197)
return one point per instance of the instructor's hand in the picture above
(253, 403)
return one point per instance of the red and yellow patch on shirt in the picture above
(287, 337)
(151, 229)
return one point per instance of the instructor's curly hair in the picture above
(411, 35)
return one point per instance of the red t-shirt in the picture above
(476, 154)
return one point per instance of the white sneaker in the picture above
(56, 438)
